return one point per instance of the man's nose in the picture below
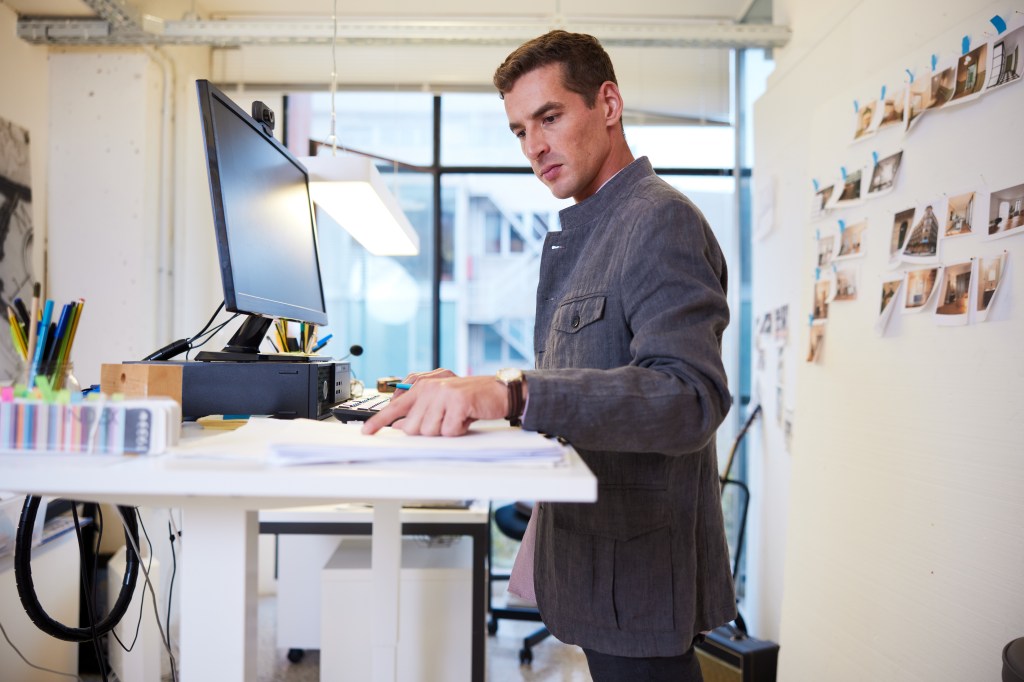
(535, 146)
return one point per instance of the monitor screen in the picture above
(263, 216)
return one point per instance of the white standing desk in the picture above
(220, 503)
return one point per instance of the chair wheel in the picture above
(295, 655)
(525, 656)
(492, 626)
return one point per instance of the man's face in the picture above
(566, 142)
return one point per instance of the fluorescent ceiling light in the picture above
(352, 191)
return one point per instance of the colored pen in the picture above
(400, 386)
(44, 327)
(322, 342)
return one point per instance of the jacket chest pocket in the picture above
(577, 314)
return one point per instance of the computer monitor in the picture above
(264, 222)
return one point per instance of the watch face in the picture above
(508, 374)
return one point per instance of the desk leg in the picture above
(386, 564)
(218, 594)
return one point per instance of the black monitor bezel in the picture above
(209, 97)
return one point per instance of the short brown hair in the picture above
(585, 64)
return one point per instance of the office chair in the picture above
(511, 520)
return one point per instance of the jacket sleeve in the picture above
(672, 394)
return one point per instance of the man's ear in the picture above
(609, 97)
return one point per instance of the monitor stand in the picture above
(244, 346)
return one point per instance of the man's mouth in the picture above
(549, 172)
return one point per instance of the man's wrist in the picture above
(514, 382)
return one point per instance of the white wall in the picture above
(889, 545)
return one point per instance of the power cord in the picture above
(175, 348)
(30, 663)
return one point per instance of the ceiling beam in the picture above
(125, 28)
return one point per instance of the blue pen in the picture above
(404, 387)
(44, 326)
(322, 342)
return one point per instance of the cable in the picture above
(89, 590)
(180, 346)
(142, 601)
(174, 572)
(164, 637)
(26, 586)
(33, 665)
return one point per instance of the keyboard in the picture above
(362, 408)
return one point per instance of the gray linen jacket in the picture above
(631, 308)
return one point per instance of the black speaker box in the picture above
(727, 655)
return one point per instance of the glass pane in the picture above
(395, 125)
(492, 290)
(474, 132)
(382, 303)
(683, 146)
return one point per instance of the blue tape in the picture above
(817, 274)
(911, 74)
(842, 169)
(834, 268)
(965, 44)
(842, 225)
(815, 184)
(998, 22)
(810, 320)
(856, 107)
(935, 60)
(874, 157)
(882, 97)
(817, 235)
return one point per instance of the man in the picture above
(630, 313)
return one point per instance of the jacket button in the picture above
(575, 321)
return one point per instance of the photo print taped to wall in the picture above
(991, 273)
(890, 300)
(1006, 212)
(1006, 57)
(894, 108)
(865, 119)
(971, 75)
(902, 221)
(954, 294)
(919, 286)
(883, 175)
(846, 283)
(851, 241)
(959, 217)
(851, 191)
(922, 245)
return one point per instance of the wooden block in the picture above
(142, 380)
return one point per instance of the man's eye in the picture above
(550, 119)
(520, 134)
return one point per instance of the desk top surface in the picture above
(169, 480)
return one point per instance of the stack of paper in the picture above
(305, 441)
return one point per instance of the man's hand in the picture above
(441, 404)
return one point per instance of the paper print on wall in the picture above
(923, 243)
(822, 295)
(883, 175)
(959, 215)
(782, 325)
(851, 192)
(866, 120)
(970, 75)
(991, 273)
(890, 299)
(15, 232)
(894, 107)
(846, 284)
(851, 241)
(1007, 52)
(918, 97)
(821, 201)
(817, 343)
(920, 286)
(954, 294)
(826, 250)
(1006, 212)
(942, 83)
(901, 223)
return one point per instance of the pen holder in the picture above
(61, 377)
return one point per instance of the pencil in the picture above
(32, 317)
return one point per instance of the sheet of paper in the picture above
(304, 441)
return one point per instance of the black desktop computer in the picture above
(282, 389)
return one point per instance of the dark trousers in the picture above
(607, 668)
